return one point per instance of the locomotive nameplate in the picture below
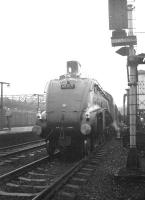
(67, 85)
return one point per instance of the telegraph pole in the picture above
(8, 84)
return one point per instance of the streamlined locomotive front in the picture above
(65, 103)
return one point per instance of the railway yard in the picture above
(78, 147)
(72, 141)
(27, 172)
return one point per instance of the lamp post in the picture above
(2, 84)
(38, 100)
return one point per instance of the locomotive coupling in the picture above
(85, 129)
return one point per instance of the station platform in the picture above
(16, 130)
(17, 135)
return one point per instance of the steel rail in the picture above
(19, 145)
(49, 192)
(22, 170)
(22, 150)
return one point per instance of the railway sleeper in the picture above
(24, 180)
(6, 195)
(62, 195)
(90, 165)
(7, 161)
(95, 162)
(15, 158)
(34, 182)
(33, 174)
(99, 154)
(72, 188)
(78, 181)
(2, 163)
(27, 179)
(23, 188)
(42, 170)
(86, 169)
(83, 174)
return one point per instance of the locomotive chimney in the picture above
(73, 68)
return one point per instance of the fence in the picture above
(18, 119)
(23, 107)
(25, 102)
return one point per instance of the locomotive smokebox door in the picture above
(73, 67)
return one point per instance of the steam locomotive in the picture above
(79, 114)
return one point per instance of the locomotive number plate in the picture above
(67, 86)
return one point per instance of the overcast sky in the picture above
(37, 38)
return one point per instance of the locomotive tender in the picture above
(79, 113)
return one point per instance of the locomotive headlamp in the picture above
(43, 115)
(87, 116)
(85, 129)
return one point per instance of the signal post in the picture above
(132, 160)
(120, 38)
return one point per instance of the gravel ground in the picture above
(102, 184)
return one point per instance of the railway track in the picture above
(32, 146)
(29, 180)
(24, 154)
(20, 147)
(47, 180)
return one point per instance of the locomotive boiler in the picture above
(78, 115)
